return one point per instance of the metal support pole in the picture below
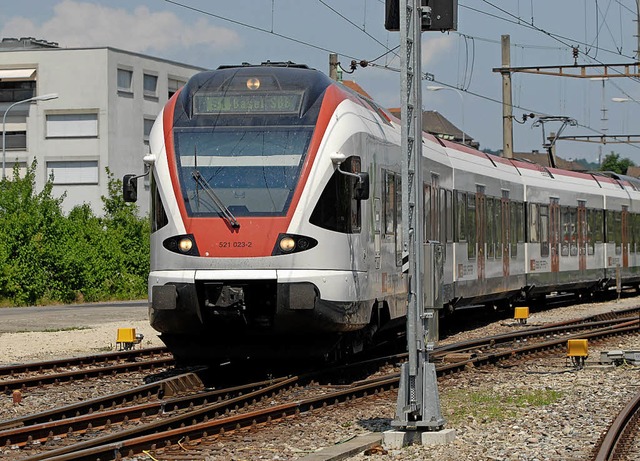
(507, 104)
(418, 403)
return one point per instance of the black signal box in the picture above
(443, 15)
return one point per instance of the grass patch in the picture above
(489, 405)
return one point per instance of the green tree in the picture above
(47, 257)
(613, 162)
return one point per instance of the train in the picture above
(276, 219)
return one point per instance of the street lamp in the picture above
(438, 88)
(624, 119)
(44, 97)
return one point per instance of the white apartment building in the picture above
(107, 102)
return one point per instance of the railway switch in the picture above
(127, 339)
(578, 351)
(521, 314)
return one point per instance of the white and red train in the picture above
(277, 225)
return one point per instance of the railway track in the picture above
(622, 439)
(36, 374)
(161, 422)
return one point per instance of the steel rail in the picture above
(624, 423)
(11, 370)
(84, 373)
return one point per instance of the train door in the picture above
(481, 227)
(582, 235)
(506, 227)
(554, 234)
(625, 236)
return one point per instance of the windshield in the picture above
(253, 171)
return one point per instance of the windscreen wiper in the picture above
(226, 213)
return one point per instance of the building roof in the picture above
(355, 87)
(437, 124)
(633, 171)
(542, 158)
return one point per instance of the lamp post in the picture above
(438, 88)
(44, 97)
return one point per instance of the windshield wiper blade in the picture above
(226, 213)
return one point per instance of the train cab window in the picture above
(461, 214)
(338, 209)
(158, 214)
(544, 231)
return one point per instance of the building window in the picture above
(150, 85)
(17, 85)
(15, 140)
(148, 124)
(125, 80)
(72, 125)
(175, 85)
(73, 171)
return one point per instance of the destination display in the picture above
(242, 103)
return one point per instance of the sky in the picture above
(210, 33)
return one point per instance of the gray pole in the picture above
(333, 66)
(507, 105)
(418, 403)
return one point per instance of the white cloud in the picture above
(85, 24)
(434, 47)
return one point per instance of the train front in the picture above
(230, 160)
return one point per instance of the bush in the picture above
(48, 257)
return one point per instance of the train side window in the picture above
(517, 226)
(590, 232)
(443, 215)
(534, 223)
(461, 213)
(498, 227)
(610, 234)
(544, 231)
(449, 215)
(566, 230)
(435, 208)
(573, 231)
(388, 200)
(158, 214)
(491, 223)
(338, 209)
(617, 215)
(398, 206)
(427, 212)
(471, 226)
(598, 226)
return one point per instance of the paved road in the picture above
(42, 318)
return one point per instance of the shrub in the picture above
(48, 257)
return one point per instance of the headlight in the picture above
(185, 244)
(292, 243)
(287, 244)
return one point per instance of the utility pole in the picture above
(333, 66)
(418, 403)
(507, 105)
